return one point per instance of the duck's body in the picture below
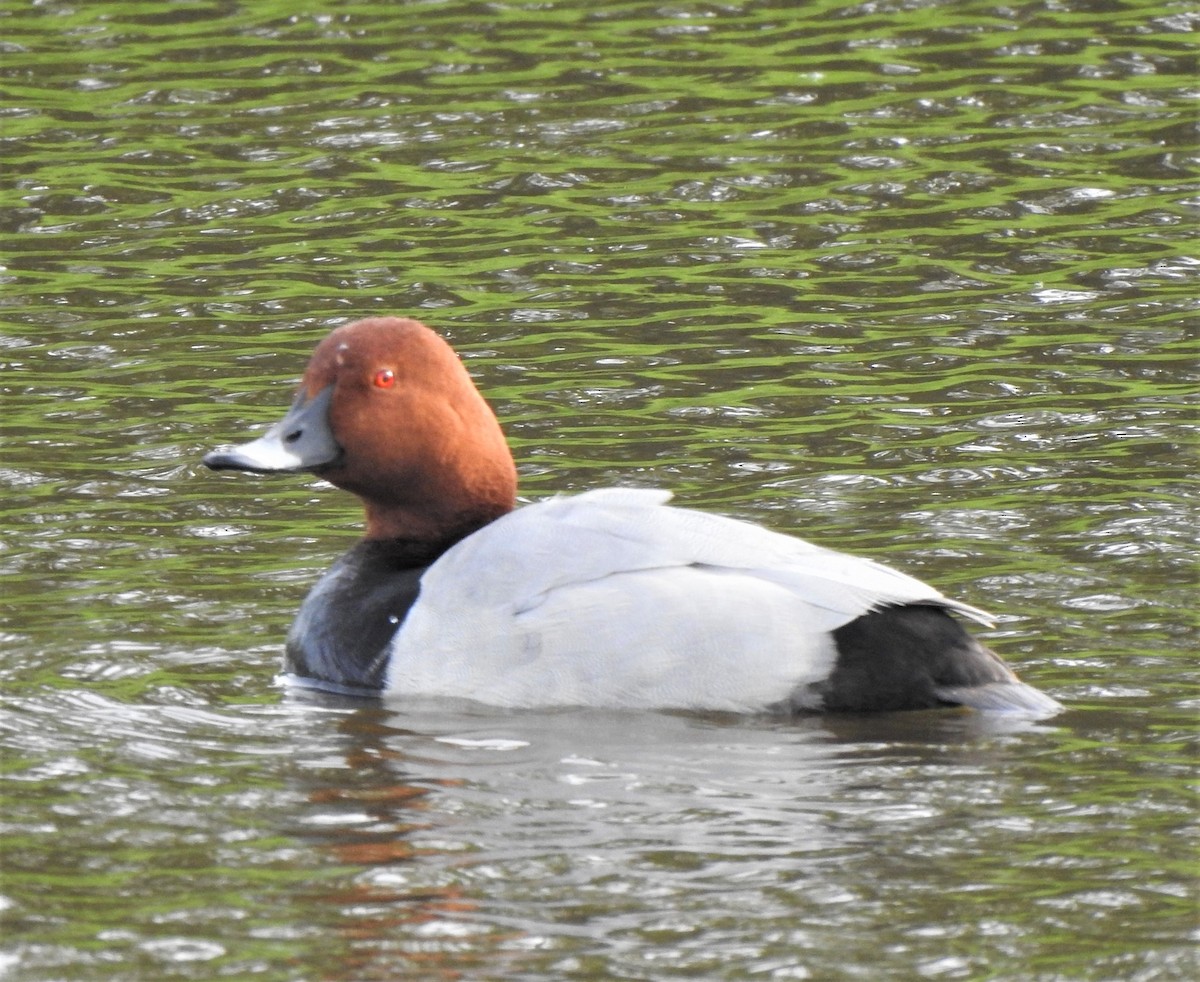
(610, 598)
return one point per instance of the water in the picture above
(914, 280)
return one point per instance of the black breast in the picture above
(340, 636)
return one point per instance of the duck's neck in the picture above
(417, 538)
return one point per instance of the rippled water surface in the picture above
(912, 279)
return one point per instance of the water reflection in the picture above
(910, 280)
(430, 805)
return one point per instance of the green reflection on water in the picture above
(912, 280)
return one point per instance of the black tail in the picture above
(919, 657)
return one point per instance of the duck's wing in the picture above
(522, 558)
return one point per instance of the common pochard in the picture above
(610, 598)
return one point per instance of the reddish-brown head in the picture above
(419, 444)
(386, 410)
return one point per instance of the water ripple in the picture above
(915, 283)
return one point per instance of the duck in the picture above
(612, 598)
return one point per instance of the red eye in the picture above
(385, 378)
